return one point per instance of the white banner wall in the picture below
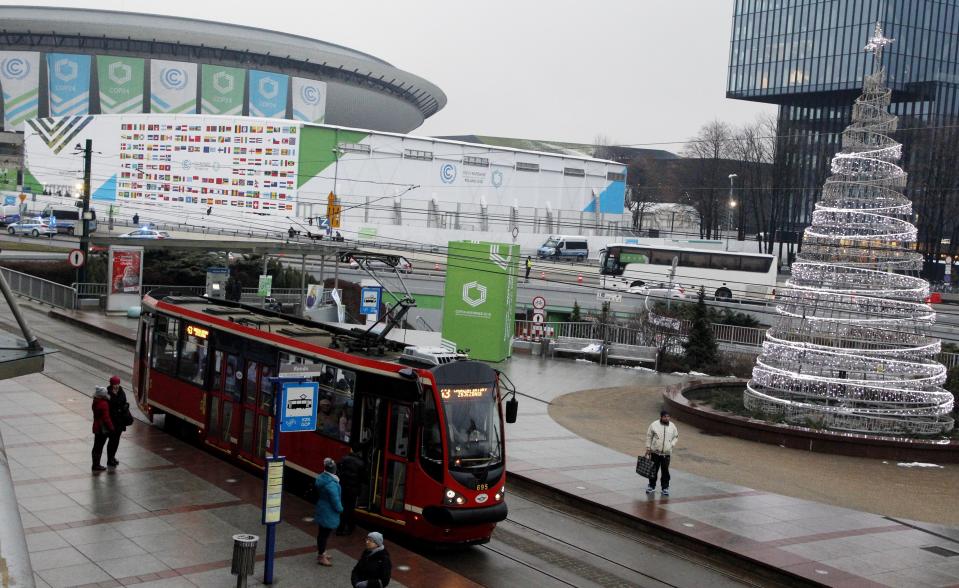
(20, 79)
(172, 87)
(309, 100)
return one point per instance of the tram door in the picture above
(143, 355)
(225, 390)
(256, 408)
(385, 427)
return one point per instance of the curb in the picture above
(68, 317)
(766, 572)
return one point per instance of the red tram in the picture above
(429, 426)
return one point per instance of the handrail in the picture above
(39, 289)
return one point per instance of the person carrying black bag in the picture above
(352, 470)
(120, 416)
(374, 568)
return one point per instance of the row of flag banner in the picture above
(174, 88)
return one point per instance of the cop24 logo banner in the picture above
(222, 91)
(20, 79)
(68, 82)
(309, 100)
(121, 84)
(448, 173)
(268, 94)
(172, 87)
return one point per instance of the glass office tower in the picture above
(807, 56)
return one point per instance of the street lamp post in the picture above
(732, 205)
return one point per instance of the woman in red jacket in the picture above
(102, 425)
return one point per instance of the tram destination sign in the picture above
(298, 408)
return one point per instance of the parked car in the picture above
(404, 265)
(658, 290)
(33, 227)
(146, 234)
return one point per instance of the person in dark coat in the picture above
(102, 425)
(119, 409)
(326, 515)
(351, 470)
(136, 219)
(374, 567)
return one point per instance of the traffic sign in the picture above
(609, 297)
(298, 407)
(539, 303)
(538, 318)
(76, 258)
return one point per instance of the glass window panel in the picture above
(266, 390)
(166, 332)
(395, 486)
(227, 421)
(214, 430)
(262, 434)
(247, 438)
(231, 383)
(250, 383)
(193, 355)
(400, 430)
(217, 374)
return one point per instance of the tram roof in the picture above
(274, 325)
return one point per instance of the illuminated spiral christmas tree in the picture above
(850, 350)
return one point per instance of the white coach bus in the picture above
(723, 275)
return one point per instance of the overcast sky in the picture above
(636, 71)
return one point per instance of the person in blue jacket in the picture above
(328, 509)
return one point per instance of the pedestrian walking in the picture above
(529, 266)
(209, 211)
(374, 567)
(352, 470)
(120, 417)
(102, 425)
(136, 219)
(661, 437)
(326, 515)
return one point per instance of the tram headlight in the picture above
(453, 497)
(499, 494)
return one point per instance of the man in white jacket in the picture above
(661, 437)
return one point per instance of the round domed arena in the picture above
(108, 62)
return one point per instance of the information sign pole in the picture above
(294, 409)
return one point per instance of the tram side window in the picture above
(193, 359)
(165, 336)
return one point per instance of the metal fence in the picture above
(40, 290)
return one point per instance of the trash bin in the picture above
(244, 557)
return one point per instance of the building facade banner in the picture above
(309, 100)
(68, 84)
(172, 87)
(121, 84)
(20, 80)
(480, 298)
(222, 90)
(268, 94)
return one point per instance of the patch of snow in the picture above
(697, 374)
(918, 464)
(592, 348)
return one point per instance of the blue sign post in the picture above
(370, 297)
(294, 410)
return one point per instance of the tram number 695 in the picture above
(482, 487)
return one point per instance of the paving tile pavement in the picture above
(164, 518)
(819, 542)
(827, 544)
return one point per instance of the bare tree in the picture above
(711, 149)
(754, 146)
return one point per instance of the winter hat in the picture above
(376, 538)
(663, 413)
(329, 465)
(115, 381)
(100, 392)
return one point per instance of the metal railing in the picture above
(40, 290)
(729, 336)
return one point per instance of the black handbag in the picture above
(644, 466)
(127, 416)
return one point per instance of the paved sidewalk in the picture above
(822, 543)
(164, 518)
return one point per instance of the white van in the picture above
(564, 247)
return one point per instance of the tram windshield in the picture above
(473, 426)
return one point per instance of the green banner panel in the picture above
(480, 298)
(222, 90)
(121, 84)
